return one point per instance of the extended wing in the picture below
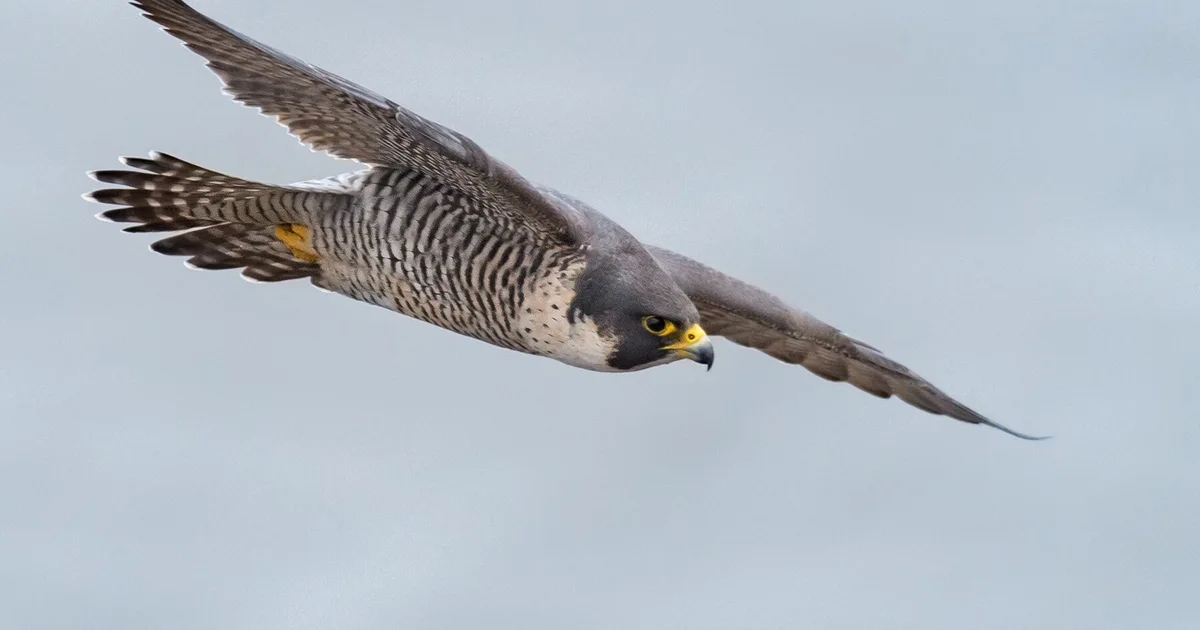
(754, 318)
(336, 116)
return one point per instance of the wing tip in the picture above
(1017, 434)
(958, 411)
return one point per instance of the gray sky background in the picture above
(1004, 196)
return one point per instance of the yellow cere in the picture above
(296, 237)
(690, 337)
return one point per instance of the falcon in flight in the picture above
(437, 229)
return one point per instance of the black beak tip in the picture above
(707, 357)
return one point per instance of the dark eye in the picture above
(657, 325)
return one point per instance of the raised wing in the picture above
(336, 116)
(754, 318)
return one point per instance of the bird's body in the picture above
(406, 243)
(437, 229)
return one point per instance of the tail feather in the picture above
(152, 219)
(226, 222)
(235, 245)
(195, 242)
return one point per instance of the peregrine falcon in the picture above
(436, 228)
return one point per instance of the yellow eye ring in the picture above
(658, 326)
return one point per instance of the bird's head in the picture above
(646, 317)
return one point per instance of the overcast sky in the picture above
(1002, 195)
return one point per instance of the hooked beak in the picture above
(694, 344)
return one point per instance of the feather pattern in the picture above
(226, 222)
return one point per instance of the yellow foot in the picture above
(298, 238)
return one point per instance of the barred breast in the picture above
(417, 247)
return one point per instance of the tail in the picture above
(230, 223)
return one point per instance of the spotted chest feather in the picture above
(549, 330)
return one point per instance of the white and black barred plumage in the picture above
(436, 228)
